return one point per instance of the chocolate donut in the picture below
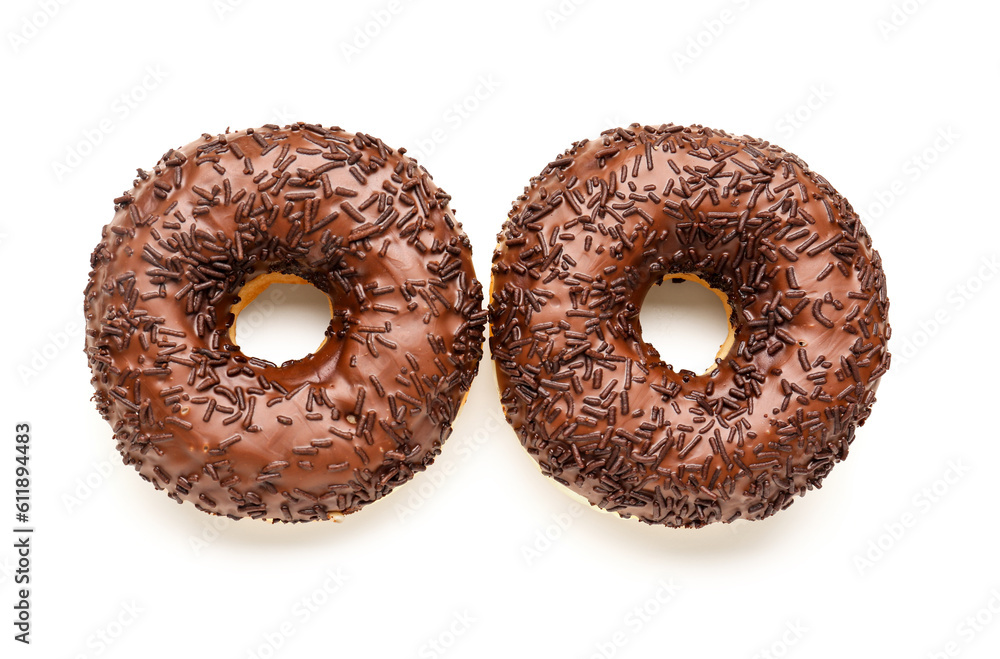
(313, 438)
(594, 404)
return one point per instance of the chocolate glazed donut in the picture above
(594, 404)
(313, 438)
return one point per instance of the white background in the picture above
(480, 556)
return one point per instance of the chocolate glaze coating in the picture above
(315, 437)
(594, 404)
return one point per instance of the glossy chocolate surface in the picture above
(594, 404)
(312, 438)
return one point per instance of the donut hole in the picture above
(687, 322)
(280, 318)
